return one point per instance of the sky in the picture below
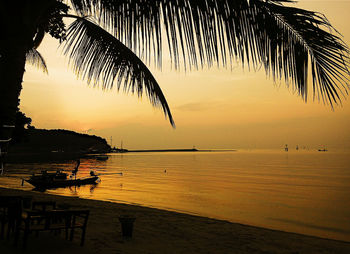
(212, 108)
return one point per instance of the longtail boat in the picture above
(59, 180)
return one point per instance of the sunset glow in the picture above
(216, 108)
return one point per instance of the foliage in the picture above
(54, 20)
(21, 123)
(34, 58)
(103, 59)
(22, 120)
(108, 39)
(287, 41)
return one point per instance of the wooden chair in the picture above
(70, 220)
(43, 205)
(10, 213)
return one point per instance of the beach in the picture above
(161, 231)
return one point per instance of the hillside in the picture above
(39, 144)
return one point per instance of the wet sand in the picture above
(160, 231)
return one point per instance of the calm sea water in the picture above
(302, 191)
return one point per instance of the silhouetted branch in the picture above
(288, 41)
(102, 59)
(34, 58)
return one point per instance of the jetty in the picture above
(163, 150)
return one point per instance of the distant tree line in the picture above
(22, 123)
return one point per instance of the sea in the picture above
(303, 191)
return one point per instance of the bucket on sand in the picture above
(127, 223)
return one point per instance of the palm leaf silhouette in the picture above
(286, 41)
(102, 59)
(34, 58)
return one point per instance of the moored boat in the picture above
(48, 183)
(48, 180)
(324, 149)
(101, 157)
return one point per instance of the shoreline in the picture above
(178, 150)
(162, 231)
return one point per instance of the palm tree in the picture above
(107, 39)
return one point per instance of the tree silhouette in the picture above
(22, 122)
(108, 38)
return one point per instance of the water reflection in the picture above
(16, 172)
(270, 189)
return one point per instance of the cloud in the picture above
(199, 106)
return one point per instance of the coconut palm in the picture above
(107, 39)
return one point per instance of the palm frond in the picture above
(100, 58)
(295, 41)
(288, 41)
(34, 58)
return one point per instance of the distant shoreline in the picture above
(163, 150)
(39, 145)
(174, 150)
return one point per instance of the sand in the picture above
(160, 231)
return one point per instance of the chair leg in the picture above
(83, 236)
(71, 234)
(17, 231)
(16, 236)
(10, 227)
(25, 237)
(26, 233)
(2, 228)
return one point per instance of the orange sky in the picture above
(214, 108)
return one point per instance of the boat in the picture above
(324, 149)
(47, 180)
(101, 157)
(119, 150)
(60, 183)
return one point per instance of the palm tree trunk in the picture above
(12, 63)
(18, 22)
